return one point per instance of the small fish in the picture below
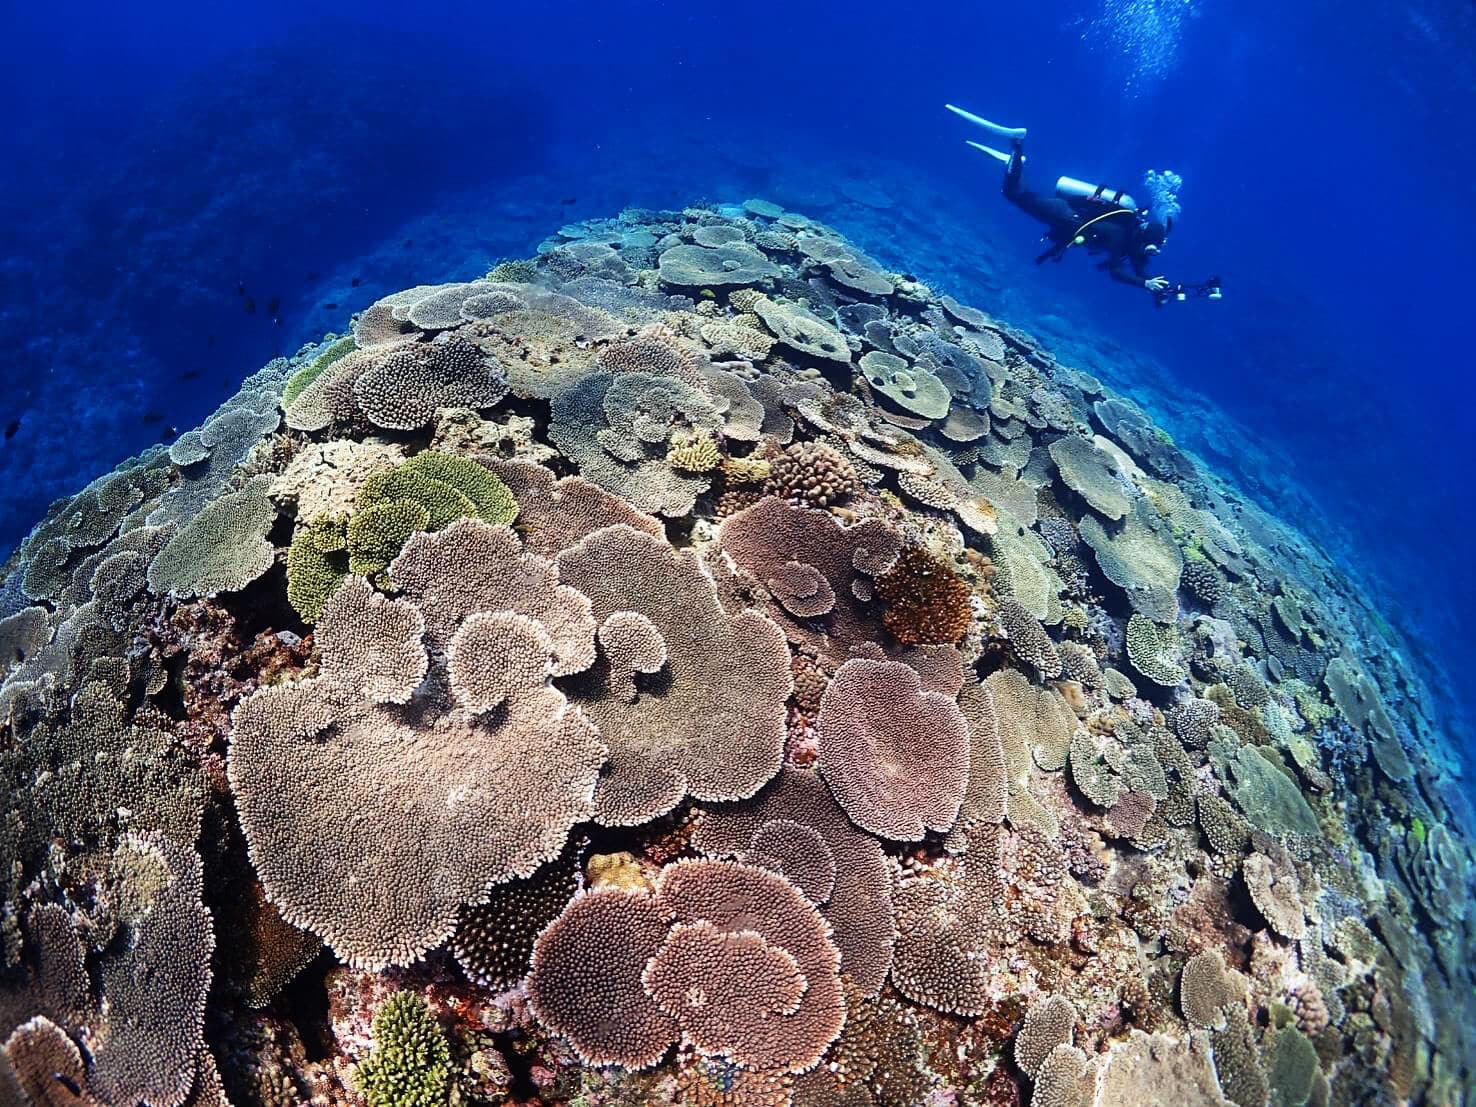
(67, 1082)
(151, 416)
(276, 320)
(210, 340)
(171, 432)
(569, 200)
(275, 305)
(313, 275)
(10, 429)
(250, 306)
(409, 242)
(240, 288)
(330, 307)
(355, 282)
(190, 375)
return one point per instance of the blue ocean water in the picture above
(189, 190)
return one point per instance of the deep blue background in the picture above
(161, 158)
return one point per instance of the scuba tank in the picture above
(1072, 190)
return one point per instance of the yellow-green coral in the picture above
(313, 369)
(491, 498)
(411, 1062)
(378, 533)
(694, 453)
(313, 573)
(442, 503)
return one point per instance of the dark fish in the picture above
(210, 340)
(67, 1082)
(275, 305)
(171, 432)
(569, 200)
(276, 320)
(10, 429)
(313, 275)
(409, 242)
(151, 416)
(331, 307)
(240, 288)
(190, 375)
(355, 282)
(250, 306)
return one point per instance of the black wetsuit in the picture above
(1119, 237)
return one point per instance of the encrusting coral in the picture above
(699, 665)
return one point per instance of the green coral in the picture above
(447, 486)
(1417, 829)
(492, 500)
(1293, 1069)
(378, 533)
(222, 549)
(313, 573)
(411, 1063)
(310, 372)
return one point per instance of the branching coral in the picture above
(812, 473)
(925, 600)
(411, 1064)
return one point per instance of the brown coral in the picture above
(1029, 640)
(859, 907)
(793, 1030)
(715, 727)
(585, 982)
(926, 601)
(1049, 1023)
(495, 655)
(812, 473)
(489, 799)
(896, 757)
(767, 537)
(371, 645)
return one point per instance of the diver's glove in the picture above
(1156, 285)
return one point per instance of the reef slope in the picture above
(697, 665)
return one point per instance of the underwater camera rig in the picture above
(1204, 290)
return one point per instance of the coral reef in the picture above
(698, 666)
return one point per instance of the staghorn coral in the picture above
(411, 1063)
(896, 756)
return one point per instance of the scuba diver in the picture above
(1105, 221)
